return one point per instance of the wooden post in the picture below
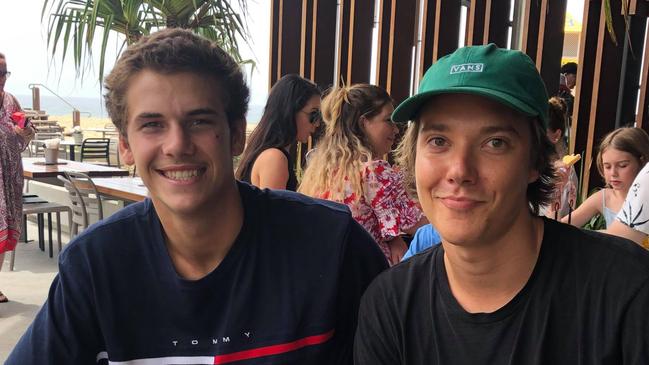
(76, 118)
(36, 98)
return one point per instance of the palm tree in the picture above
(74, 23)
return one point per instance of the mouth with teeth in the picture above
(182, 175)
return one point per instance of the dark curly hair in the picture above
(170, 51)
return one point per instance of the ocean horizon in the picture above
(95, 106)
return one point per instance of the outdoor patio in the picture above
(26, 287)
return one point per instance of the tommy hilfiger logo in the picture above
(467, 67)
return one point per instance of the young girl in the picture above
(622, 154)
(292, 113)
(348, 166)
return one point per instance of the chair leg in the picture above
(49, 232)
(23, 234)
(12, 259)
(69, 225)
(58, 229)
(41, 233)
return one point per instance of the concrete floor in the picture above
(26, 287)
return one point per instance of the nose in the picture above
(461, 168)
(178, 141)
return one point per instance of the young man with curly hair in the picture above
(208, 270)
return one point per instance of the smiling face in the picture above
(179, 138)
(380, 131)
(620, 168)
(472, 167)
(305, 128)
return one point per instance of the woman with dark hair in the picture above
(292, 113)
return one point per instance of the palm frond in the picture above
(74, 24)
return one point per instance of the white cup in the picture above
(51, 155)
(78, 137)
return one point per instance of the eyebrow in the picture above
(614, 162)
(440, 127)
(203, 111)
(192, 113)
(500, 129)
(437, 127)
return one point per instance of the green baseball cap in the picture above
(505, 76)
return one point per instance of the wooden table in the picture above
(40, 172)
(124, 188)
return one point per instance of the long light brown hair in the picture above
(344, 148)
(634, 141)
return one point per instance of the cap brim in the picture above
(410, 107)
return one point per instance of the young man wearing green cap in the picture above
(505, 286)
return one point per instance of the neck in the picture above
(485, 277)
(198, 242)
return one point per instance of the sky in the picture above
(23, 40)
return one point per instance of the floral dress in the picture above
(385, 209)
(11, 175)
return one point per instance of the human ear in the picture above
(237, 137)
(125, 152)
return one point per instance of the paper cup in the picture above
(51, 156)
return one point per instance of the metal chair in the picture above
(32, 204)
(85, 199)
(96, 149)
(112, 133)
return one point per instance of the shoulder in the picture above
(124, 230)
(288, 208)
(425, 237)
(641, 182)
(379, 167)
(13, 101)
(293, 222)
(595, 200)
(599, 254)
(272, 156)
(406, 279)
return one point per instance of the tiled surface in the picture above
(26, 287)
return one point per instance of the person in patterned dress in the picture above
(349, 166)
(13, 141)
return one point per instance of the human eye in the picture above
(497, 143)
(437, 142)
(200, 122)
(150, 125)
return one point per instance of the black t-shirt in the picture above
(586, 302)
(287, 292)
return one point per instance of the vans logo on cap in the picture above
(467, 67)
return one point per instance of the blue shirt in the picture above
(286, 281)
(425, 237)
